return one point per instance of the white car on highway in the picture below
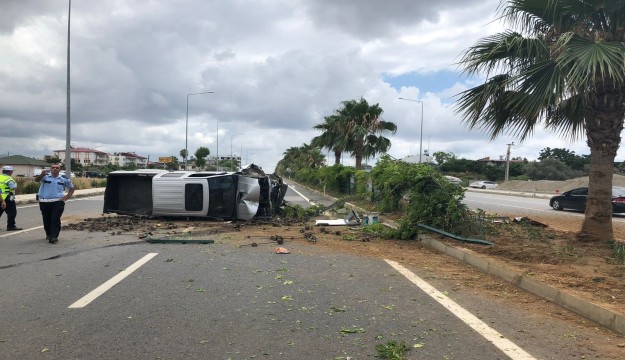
(484, 184)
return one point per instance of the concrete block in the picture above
(479, 262)
(455, 252)
(537, 288)
(502, 272)
(591, 311)
(619, 323)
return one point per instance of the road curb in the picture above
(601, 316)
(31, 198)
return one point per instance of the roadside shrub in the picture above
(393, 179)
(437, 203)
(29, 187)
(97, 183)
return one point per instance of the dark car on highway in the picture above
(576, 200)
(94, 174)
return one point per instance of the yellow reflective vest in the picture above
(4, 185)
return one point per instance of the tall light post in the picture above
(68, 137)
(231, 137)
(186, 129)
(421, 135)
(218, 141)
(248, 155)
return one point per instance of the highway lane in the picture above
(218, 301)
(521, 206)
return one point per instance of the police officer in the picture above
(9, 188)
(52, 200)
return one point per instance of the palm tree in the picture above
(356, 127)
(331, 138)
(296, 158)
(564, 70)
(364, 129)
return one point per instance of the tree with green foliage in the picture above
(442, 157)
(331, 138)
(424, 194)
(297, 158)
(357, 128)
(568, 157)
(76, 166)
(565, 70)
(200, 157)
(550, 169)
(462, 166)
(130, 166)
(52, 159)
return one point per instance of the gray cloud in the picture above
(276, 67)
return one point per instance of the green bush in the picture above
(29, 187)
(97, 183)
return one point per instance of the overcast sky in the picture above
(276, 67)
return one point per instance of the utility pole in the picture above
(68, 137)
(508, 161)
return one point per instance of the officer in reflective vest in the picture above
(9, 188)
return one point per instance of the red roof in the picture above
(81, 149)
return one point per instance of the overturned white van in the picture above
(243, 195)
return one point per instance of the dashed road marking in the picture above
(508, 347)
(85, 300)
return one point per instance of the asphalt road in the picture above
(520, 206)
(217, 301)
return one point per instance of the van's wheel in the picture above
(556, 205)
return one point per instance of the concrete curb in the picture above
(604, 317)
(593, 312)
(32, 198)
(512, 193)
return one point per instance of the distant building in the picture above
(88, 157)
(127, 158)
(498, 162)
(414, 159)
(85, 156)
(23, 165)
(236, 162)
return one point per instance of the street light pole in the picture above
(218, 141)
(186, 129)
(421, 135)
(231, 158)
(68, 137)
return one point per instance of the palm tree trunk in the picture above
(597, 224)
(604, 124)
(337, 157)
(358, 161)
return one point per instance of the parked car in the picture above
(243, 195)
(484, 184)
(454, 180)
(63, 173)
(94, 174)
(576, 200)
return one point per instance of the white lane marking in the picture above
(85, 300)
(9, 233)
(299, 193)
(508, 347)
